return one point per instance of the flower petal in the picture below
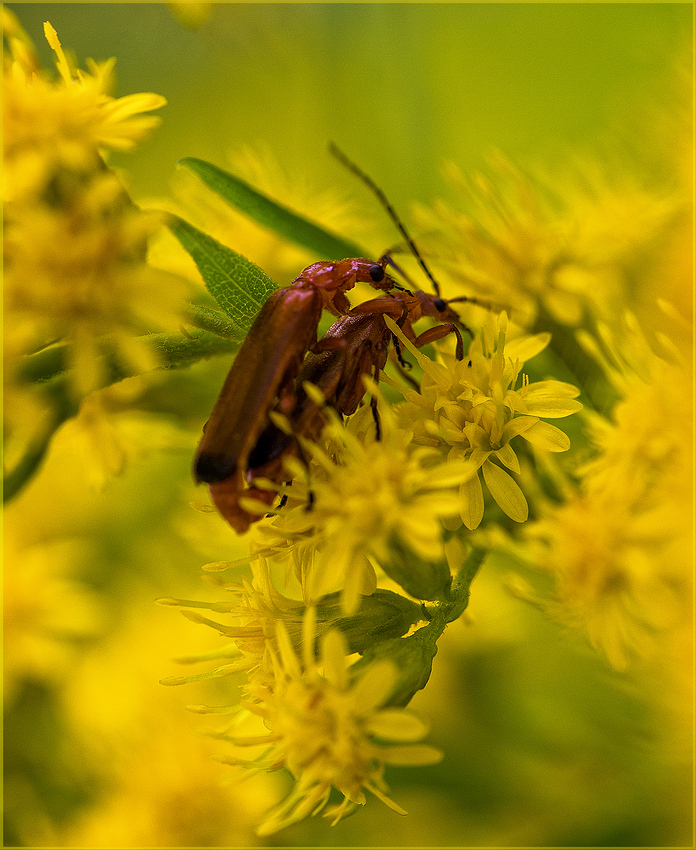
(506, 492)
(547, 437)
(506, 455)
(395, 724)
(471, 503)
(525, 347)
(552, 399)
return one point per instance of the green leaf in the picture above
(173, 350)
(179, 350)
(18, 477)
(419, 578)
(274, 216)
(239, 286)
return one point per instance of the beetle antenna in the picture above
(382, 198)
(389, 260)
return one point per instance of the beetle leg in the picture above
(373, 405)
(329, 344)
(439, 332)
(399, 356)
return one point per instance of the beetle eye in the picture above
(440, 305)
(376, 273)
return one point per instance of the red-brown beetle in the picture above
(338, 373)
(240, 443)
(264, 370)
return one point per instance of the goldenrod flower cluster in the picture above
(466, 464)
(75, 246)
(358, 520)
(471, 410)
(362, 511)
(384, 517)
(329, 731)
(564, 246)
(308, 712)
(620, 546)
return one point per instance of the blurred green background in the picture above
(545, 745)
(399, 86)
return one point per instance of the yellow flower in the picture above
(48, 611)
(470, 411)
(50, 125)
(327, 730)
(619, 571)
(75, 246)
(621, 550)
(573, 250)
(255, 610)
(76, 271)
(369, 497)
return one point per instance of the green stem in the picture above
(173, 350)
(49, 369)
(63, 406)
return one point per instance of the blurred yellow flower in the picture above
(76, 271)
(569, 245)
(621, 549)
(51, 125)
(191, 14)
(75, 246)
(48, 611)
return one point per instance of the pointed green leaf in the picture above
(239, 286)
(269, 213)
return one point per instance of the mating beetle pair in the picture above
(281, 352)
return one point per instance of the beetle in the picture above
(337, 371)
(240, 442)
(263, 373)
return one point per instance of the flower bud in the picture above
(423, 579)
(413, 657)
(381, 616)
